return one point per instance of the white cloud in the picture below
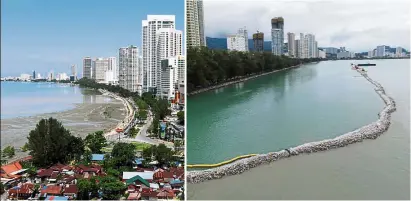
(359, 25)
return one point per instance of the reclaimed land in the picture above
(370, 131)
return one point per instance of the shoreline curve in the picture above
(370, 131)
(241, 79)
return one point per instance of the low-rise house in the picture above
(134, 196)
(12, 170)
(136, 183)
(148, 194)
(70, 191)
(21, 192)
(87, 172)
(56, 198)
(97, 157)
(47, 174)
(50, 190)
(166, 194)
(148, 175)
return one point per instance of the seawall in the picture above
(370, 131)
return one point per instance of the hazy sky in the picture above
(359, 25)
(46, 35)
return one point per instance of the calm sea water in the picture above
(21, 99)
(289, 108)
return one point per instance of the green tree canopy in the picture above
(50, 143)
(206, 67)
(112, 188)
(123, 154)
(163, 154)
(95, 142)
(88, 188)
(8, 152)
(180, 116)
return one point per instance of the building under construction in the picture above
(258, 41)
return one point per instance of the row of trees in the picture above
(206, 67)
(159, 107)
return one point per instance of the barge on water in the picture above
(367, 64)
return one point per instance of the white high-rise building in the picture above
(301, 47)
(236, 43)
(169, 44)
(243, 32)
(74, 70)
(129, 69)
(315, 50)
(277, 35)
(291, 44)
(195, 23)
(150, 28)
(370, 54)
(321, 54)
(381, 51)
(87, 71)
(310, 45)
(99, 69)
(398, 52)
(169, 77)
(181, 63)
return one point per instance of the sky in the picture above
(45, 35)
(358, 25)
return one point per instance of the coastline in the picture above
(242, 79)
(127, 106)
(370, 131)
(84, 118)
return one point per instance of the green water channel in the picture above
(314, 102)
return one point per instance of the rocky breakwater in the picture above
(370, 131)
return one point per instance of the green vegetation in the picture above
(95, 142)
(161, 153)
(207, 67)
(123, 154)
(1, 188)
(139, 146)
(133, 132)
(111, 188)
(88, 188)
(180, 116)
(90, 83)
(2, 159)
(50, 143)
(8, 152)
(25, 147)
(142, 114)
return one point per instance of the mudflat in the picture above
(81, 120)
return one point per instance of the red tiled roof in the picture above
(12, 167)
(54, 175)
(55, 190)
(134, 196)
(72, 188)
(164, 194)
(158, 175)
(149, 193)
(168, 175)
(45, 173)
(24, 189)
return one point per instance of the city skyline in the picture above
(59, 35)
(335, 23)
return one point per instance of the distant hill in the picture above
(221, 44)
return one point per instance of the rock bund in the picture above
(370, 131)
